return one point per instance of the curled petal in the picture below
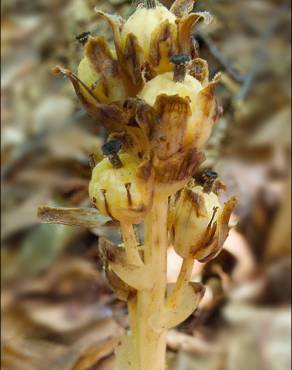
(129, 57)
(132, 62)
(116, 23)
(107, 67)
(208, 91)
(223, 221)
(162, 46)
(213, 241)
(200, 70)
(100, 57)
(185, 27)
(181, 8)
(108, 115)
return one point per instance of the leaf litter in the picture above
(58, 312)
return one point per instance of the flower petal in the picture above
(132, 62)
(98, 52)
(174, 112)
(111, 116)
(182, 7)
(213, 249)
(185, 27)
(204, 117)
(199, 69)
(162, 46)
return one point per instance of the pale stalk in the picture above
(183, 279)
(151, 344)
(132, 310)
(130, 244)
(133, 258)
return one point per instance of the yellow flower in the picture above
(198, 223)
(203, 108)
(118, 192)
(151, 92)
(144, 23)
(99, 71)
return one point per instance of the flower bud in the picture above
(198, 224)
(144, 22)
(117, 191)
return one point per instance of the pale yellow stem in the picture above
(151, 344)
(130, 244)
(132, 309)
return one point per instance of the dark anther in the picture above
(180, 58)
(180, 66)
(208, 178)
(83, 37)
(111, 150)
(112, 147)
(150, 4)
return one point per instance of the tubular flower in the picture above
(198, 223)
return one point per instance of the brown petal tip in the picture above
(56, 70)
(199, 289)
(181, 8)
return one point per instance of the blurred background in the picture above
(58, 312)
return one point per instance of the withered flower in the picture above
(198, 223)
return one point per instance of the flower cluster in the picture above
(152, 93)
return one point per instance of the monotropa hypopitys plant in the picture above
(153, 95)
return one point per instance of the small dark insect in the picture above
(180, 59)
(111, 147)
(83, 37)
(207, 178)
(209, 175)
